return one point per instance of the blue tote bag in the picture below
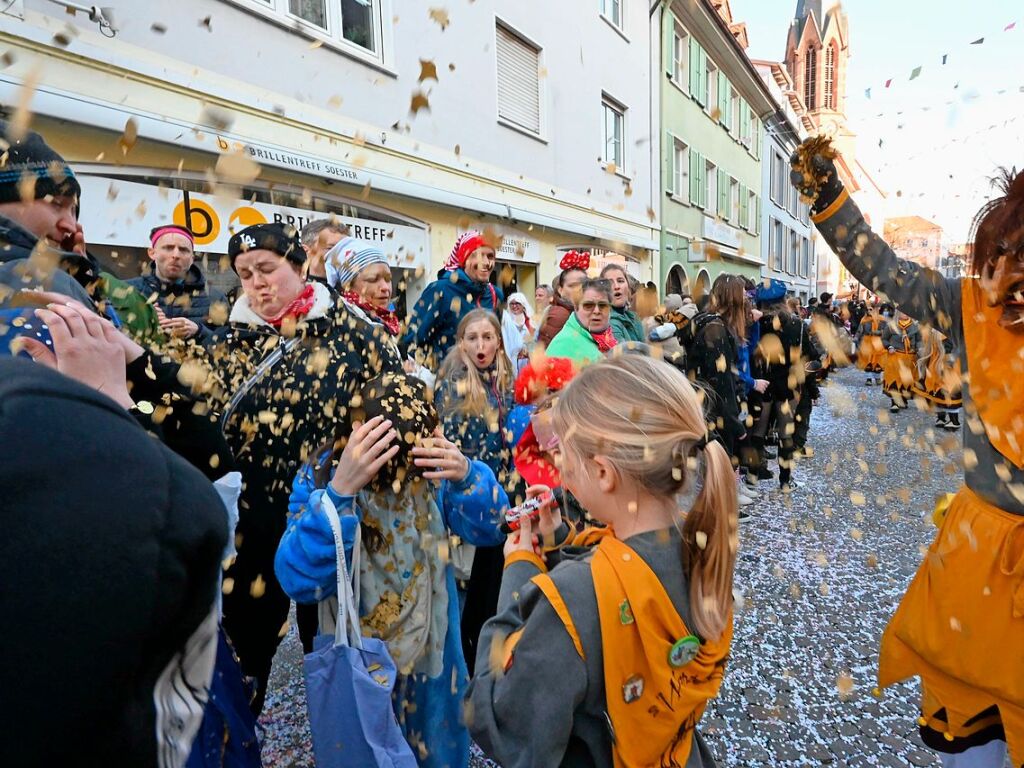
(349, 679)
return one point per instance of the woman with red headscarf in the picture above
(574, 266)
(464, 286)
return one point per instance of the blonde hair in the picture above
(656, 440)
(460, 368)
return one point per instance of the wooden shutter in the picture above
(723, 194)
(723, 99)
(744, 123)
(744, 208)
(518, 81)
(694, 69)
(670, 164)
(694, 178)
(670, 44)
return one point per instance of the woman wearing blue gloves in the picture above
(381, 481)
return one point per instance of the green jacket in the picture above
(574, 342)
(626, 325)
(137, 315)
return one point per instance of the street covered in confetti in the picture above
(820, 572)
(520, 383)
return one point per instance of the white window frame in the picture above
(605, 5)
(734, 112)
(710, 188)
(775, 256)
(680, 56)
(609, 103)
(541, 132)
(774, 190)
(680, 170)
(751, 223)
(277, 12)
(710, 85)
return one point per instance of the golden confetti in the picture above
(419, 101)
(428, 71)
(845, 684)
(440, 15)
(258, 587)
(129, 137)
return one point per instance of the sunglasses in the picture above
(590, 306)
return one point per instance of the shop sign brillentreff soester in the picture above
(275, 157)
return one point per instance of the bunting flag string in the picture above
(964, 98)
(962, 140)
(916, 71)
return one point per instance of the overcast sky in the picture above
(936, 157)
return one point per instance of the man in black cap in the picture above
(40, 238)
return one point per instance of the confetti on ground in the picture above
(797, 645)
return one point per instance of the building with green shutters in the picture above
(711, 108)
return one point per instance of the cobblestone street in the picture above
(820, 572)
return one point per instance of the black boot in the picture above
(954, 422)
(940, 419)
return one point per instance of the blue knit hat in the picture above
(348, 258)
(774, 291)
(31, 169)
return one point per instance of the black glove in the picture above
(820, 183)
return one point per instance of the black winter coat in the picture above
(191, 298)
(782, 338)
(712, 358)
(109, 566)
(300, 402)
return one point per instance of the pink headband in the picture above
(159, 232)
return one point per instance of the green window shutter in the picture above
(757, 214)
(702, 182)
(757, 139)
(670, 45)
(704, 88)
(694, 178)
(744, 207)
(744, 121)
(669, 184)
(694, 68)
(723, 194)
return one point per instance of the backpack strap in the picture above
(547, 586)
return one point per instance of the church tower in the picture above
(817, 54)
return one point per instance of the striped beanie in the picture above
(464, 246)
(348, 258)
(30, 169)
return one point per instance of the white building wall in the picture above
(780, 139)
(279, 79)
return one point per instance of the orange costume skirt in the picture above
(899, 372)
(870, 354)
(942, 383)
(960, 626)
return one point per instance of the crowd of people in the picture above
(219, 461)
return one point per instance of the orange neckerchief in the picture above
(904, 323)
(995, 367)
(653, 706)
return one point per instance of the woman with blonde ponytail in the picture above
(608, 658)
